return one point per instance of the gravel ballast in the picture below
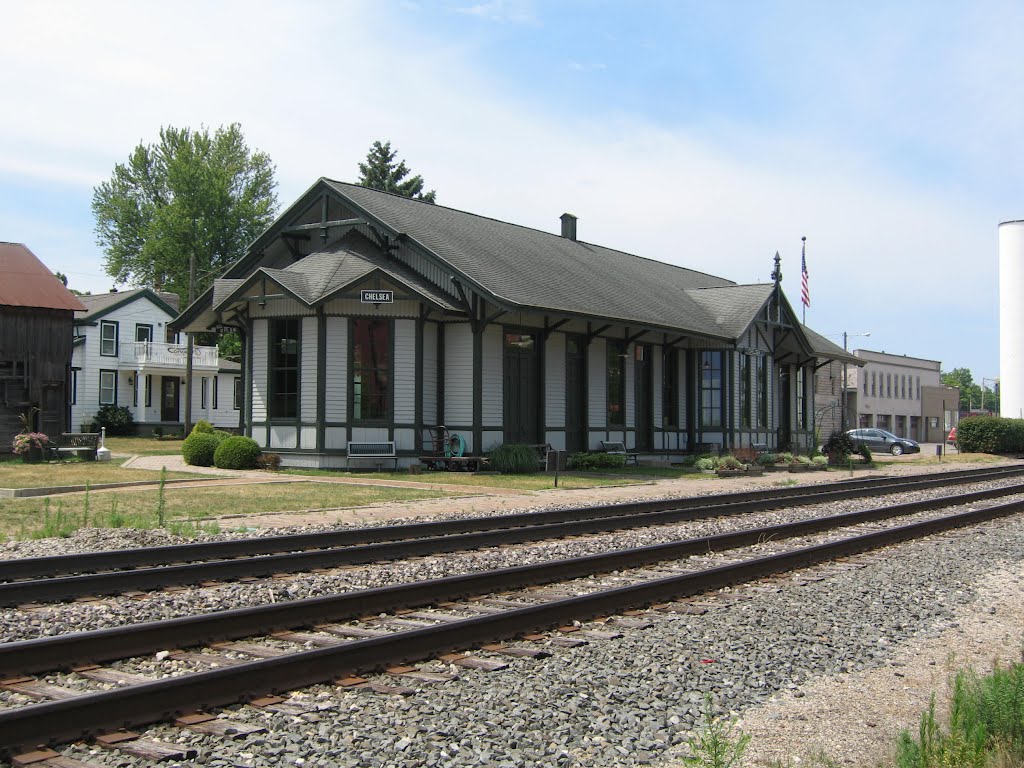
(764, 653)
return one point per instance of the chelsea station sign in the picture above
(377, 297)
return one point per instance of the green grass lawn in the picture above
(61, 515)
(15, 474)
(143, 446)
(535, 482)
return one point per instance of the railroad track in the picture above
(66, 577)
(352, 649)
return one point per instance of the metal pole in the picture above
(842, 417)
(189, 347)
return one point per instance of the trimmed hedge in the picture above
(237, 453)
(117, 420)
(990, 434)
(199, 447)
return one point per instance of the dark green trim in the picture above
(418, 405)
(127, 299)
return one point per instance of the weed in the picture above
(719, 744)
(161, 501)
(85, 511)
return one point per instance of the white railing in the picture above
(168, 355)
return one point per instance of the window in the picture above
(616, 384)
(204, 389)
(745, 404)
(371, 370)
(215, 380)
(711, 389)
(761, 372)
(864, 374)
(237, 397)
(108, 338)
(143, 332)
(284, 368)
(918, 387)
(170, 337)
(801, 398)
(149, 390)
(73, 387)
(888, 385)
(874, 390)
(670, 387)
(108, 387)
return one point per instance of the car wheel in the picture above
(896, 450)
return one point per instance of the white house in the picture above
(125, 355)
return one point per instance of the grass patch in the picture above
(185, 507)
(15, 474)
(536, 482)
(143, 446)
(923, 459)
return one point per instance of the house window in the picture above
(284, 368)
(108, 338)
(108, 387)
(745, 404)
(237, 397)
(670, 387)
(203, 393)
(616, 384)
(170, 337)
(149, 390)
(73, 387)
(215, 380)
(711, 389)
(371, 370)
(143, 332)
(761, 373)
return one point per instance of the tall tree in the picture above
(381, 172)
(189, 194)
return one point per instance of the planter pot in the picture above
(32, 456)
(799, 467)
(754, 471)
(730, 472)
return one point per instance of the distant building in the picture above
(36, 313)
(901, 394)
(125, 355)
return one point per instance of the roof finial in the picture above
(777, 272)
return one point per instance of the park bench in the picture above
(85, 443)
(379, 450)
(619, 449)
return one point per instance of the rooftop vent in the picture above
(568, 226)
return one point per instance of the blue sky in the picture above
(707, 134)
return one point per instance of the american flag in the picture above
(805, 290)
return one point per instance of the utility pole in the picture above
(842, 418)
(188, 346)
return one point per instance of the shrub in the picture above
(236, 453)
(819, 461)
(766, 459)
(116, 418)
(584, 462)
(838, 448)
(158, 432)
(706, 463)
(268, 461)
(865, 453)
(990, 434)
(784, 458)
(802, 460)
(199, 447)
(203, 426)
(687, 461)
(514, 459)
(729, 462)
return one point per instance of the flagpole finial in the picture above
(777, 272)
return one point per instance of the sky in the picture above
(706, 134)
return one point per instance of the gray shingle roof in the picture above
(100, 303)
(733, 307)
(530, 268)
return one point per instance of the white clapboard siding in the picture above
(597, 384)
(629, 370)
(493, 377)
(430, 373)
(458, 374)
(308, 372)
(336, 371)
(554, 384)
(658, 405)
(260, 361)
(405, 371)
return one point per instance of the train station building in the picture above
(367, 316)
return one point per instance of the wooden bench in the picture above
(619, 449)
(74, 442)
(382, 449)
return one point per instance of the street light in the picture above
(847, 336)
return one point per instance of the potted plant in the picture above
(30, 445)
(838, 448)
(729, 466)
(800, 464)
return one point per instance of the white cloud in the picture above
(502, 11)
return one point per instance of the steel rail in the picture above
(69, 719)
(65, 651)
(112, 560)
(114, 582)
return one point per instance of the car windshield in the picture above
(887, 434)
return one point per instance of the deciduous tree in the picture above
(191, 194)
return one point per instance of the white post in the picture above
(103, 453)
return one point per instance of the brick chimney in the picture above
(568, 226)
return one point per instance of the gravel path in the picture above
(839, 664)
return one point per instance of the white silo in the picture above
(1011, 319)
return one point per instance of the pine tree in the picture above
(380, 172)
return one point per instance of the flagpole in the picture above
(803, 278)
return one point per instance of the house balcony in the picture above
(151, 354)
